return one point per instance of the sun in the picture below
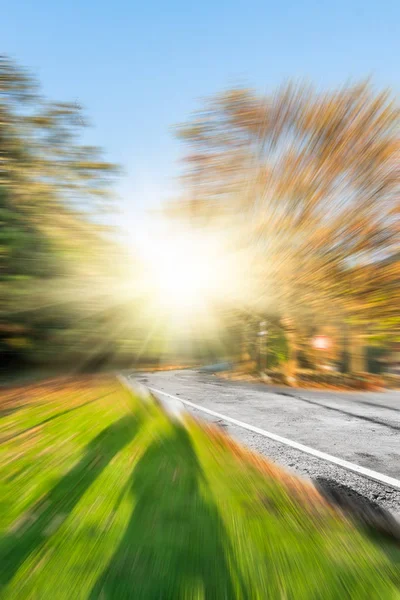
(183, 280)
(188, 273)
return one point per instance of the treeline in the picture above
(58, 266)
(305, 184)
(71, 295)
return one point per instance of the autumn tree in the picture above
(312, 180)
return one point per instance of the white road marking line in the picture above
(380, 477)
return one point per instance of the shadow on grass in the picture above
(175, 544)
(46, 516)
(6, 412)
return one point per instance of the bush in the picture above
(337, 380)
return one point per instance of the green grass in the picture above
(104, 498)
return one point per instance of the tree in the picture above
(52, 190)
(312, 180)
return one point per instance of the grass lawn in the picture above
(102, 497)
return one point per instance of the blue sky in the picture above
(140, 67)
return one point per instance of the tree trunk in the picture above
(245, 343)
(291, 365)
(357, 351)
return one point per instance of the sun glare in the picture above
(187, 274)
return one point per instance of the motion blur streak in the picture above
(112, 499)
(278, 259)
(311, 181)
(290, 205)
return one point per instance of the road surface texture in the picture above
(363, 428)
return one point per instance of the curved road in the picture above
(363, 428)
(360, 427)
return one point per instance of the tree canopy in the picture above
(313, 179)
(54, 190)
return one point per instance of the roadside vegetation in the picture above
(300, 185)
(103, 497)
(307, 181)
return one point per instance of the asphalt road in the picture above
(362, 428)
